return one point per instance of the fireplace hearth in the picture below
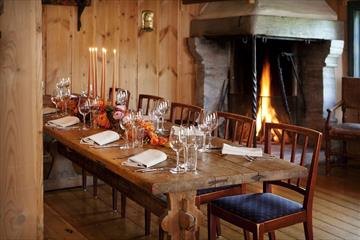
(298, 41)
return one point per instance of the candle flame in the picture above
(95, 49)
(114, 51)
(104, 50)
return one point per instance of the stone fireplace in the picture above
(300, 40)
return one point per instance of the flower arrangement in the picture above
(110, 116)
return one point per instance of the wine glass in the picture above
(203, 127)
(121, 97)
(160, 109)
(211, 121)
(176, 144)
(56, 99)
(84, 109)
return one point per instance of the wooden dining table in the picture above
(180, 217)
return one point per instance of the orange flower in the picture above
(154, 140)
(102, 120)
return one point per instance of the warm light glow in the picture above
(114, 51)
(266, 112)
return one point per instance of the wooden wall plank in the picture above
(149, 62)
(59, 30)
(128, 46)
(168, 49)
(21, 193)
(186, 81)
(147, 52)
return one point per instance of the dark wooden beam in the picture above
(200, 1)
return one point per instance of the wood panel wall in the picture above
(156, 62)
(21, 166)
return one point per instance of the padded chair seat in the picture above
(351, 129)
(214, 189)
(258, 207)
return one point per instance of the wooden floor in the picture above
(75, 214)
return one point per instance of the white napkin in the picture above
(146, 159)
(242, 151)
(64, 122)
(48, 110)
(101, 138)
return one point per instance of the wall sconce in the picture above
(147, 20)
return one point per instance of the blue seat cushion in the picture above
(214, 189)
(258, 207)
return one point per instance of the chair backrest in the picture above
(302, 143)
(120, 89)
(235, 127)
(184, 114)
(351, 100)
(146, 102)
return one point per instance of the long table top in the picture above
(213, 169)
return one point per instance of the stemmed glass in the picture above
(121, 97)
(176, 144)
(188, 139)
(203, 127)
(127, 124)
(211, 121)
(56, 99)
(84, 108)
(65, 96)
(161, 107)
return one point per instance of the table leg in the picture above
(184, 218)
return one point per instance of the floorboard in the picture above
(75, 214)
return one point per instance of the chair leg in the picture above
(327, 156)
(258, 235)
(212, 219)
(95, 182)
(83, 173)
(123, 205)
(344, 150)
(246, 235)
(161, 233)
(218, 227)
(114, 199)
(147, 221)
(272, 235)
(308, 229)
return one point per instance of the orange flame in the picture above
(266, 112)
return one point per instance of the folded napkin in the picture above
(146, 159)
(101, 138)
(64, 122)
(242, 151)
(48, 110)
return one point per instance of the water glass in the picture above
(56, 99)
(139, 137)
(191, 162)
(84, 109)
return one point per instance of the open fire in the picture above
(266, 112)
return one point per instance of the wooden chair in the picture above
(146, 102)
(184, 114)
(266, 212)
(349, 128)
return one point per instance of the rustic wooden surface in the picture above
(214, 170)
(21, 166)
(154, 62)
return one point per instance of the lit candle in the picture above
(103, 73)
(113, 80)
(89, 72)
(96, 72)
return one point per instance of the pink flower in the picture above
(118, 115)
(121, 108)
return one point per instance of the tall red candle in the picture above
(113, 80)
(96, 72)
(89, 74)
